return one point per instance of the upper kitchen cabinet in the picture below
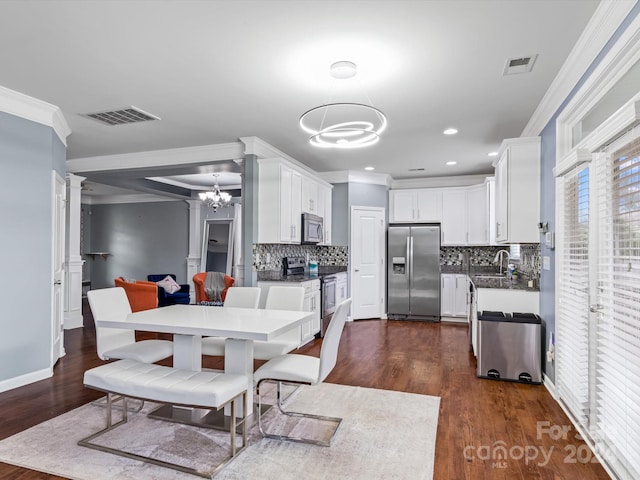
(285, 190)
(279, 202)
(478, 208)
(324, 210)
(310, 196)
(417, 205)
(517, 191)
(454, 229)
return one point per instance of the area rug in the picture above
(384, 435)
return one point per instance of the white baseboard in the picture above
(454, 320)
(73, 320)
(25, 379)
(549, 385)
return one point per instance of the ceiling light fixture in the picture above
(492, 154)
(451, 163)
(343, 124)
(215, 198)
(450, 131)
(369, 169)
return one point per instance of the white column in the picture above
(195, 243)
(73, 260)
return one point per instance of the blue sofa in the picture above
(164, 298)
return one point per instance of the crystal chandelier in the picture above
(345, 124)
(215, 198)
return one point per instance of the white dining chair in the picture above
(120, 343)
(237, 297)
(296, 369)
(281, 298)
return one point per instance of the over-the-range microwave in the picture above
(312, 228)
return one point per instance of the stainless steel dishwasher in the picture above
(509, 347)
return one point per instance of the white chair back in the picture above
(285, 298)
(242, 297)
(331, 340)
(110, 304)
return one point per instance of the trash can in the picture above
(509, 346)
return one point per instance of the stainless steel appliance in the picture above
(312, 228)
(328, 295)
(413, 279)
(509, 347)
(293, 266)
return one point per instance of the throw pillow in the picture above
(169, 284)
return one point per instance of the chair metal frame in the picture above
(234, 450)
(280, 403)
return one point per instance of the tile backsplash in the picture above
(529, 264)
(268, 256)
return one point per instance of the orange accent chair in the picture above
(142, 295)
(198, 283)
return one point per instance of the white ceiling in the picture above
(214, 71)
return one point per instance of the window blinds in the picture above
(572, 314)
(616, 428)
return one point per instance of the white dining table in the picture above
(189, 323)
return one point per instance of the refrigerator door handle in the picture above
(410, 260)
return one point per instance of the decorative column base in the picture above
(73, 289)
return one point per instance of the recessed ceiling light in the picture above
(493, 154)
(451, 163)
(450, 131)
(369, 168)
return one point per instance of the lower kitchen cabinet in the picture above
(311, 303)
(454, 295)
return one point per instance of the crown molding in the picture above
(437, 182)
(158, 158)
(603, 24)
(29, 108)
(347, 176)
(127, 198)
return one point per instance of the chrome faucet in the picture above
(499, 258)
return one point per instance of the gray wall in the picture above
(142, 238)
(340, 214)
(346, 195)
(28, 154)
(548, 197)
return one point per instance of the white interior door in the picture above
(57, 298)
(367, 247)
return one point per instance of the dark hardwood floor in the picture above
(477, 417)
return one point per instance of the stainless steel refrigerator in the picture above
(413, 278)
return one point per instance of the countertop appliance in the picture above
(312, 229)
(509, 346)
(413, 278)
(293, 266)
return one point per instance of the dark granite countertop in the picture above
(478, 276)
(277, 276)
(503, 283)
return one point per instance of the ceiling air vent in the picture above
(519, 65)
(122, 116)
(416, 169)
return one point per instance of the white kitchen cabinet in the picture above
(415, 205)
(478, 214)
(454, 295)
(311, 303)
(279, 203)
(310, 196)
(324, 211)
(454, 216)
(517, 194)
(490, 183)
